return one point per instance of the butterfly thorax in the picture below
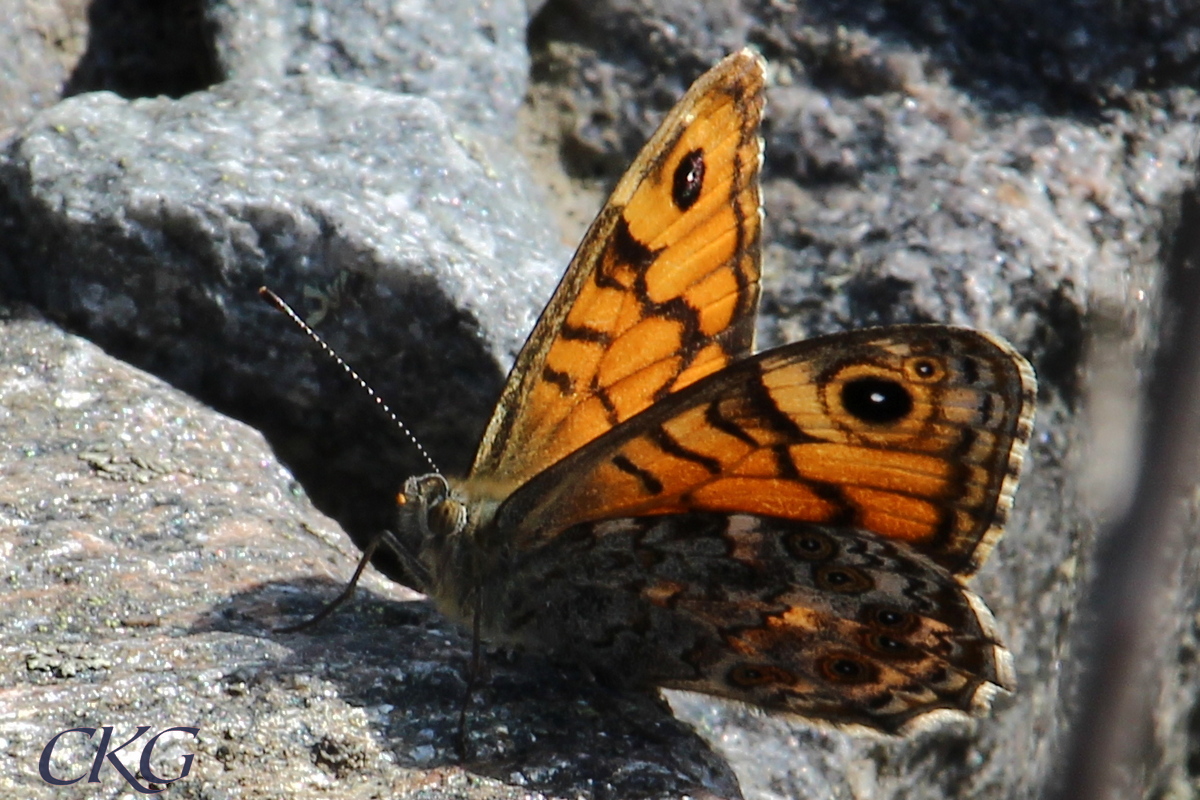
(444, 524)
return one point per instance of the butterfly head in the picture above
(431, 509)
(439, 528)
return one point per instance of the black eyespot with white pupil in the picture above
(810, 546)
(688, 180)
(891, 618)
(843, 580)
(751, 675)
(877, 401)
(888, 644)
(845, 669)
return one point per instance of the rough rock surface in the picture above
(152, 547)
(1020, 167)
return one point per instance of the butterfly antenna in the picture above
(279, 303)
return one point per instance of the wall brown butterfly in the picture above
(789, 528)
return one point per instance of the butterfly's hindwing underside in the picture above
(832, 623)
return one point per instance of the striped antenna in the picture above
(278, 302)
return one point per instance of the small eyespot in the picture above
(889, 646)
(846, 669)
(688, 181)
(876, 401)
(925, 370)
(810, 546)
(892, 619)
(843, 580)
(750, 675)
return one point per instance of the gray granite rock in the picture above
(151, 547)
(1062, 56)
(143, 48)
(611, 70)
(953, 162)
(39, 45)
(469, 57)
(910, 202)
(419, 246)
(896, 191)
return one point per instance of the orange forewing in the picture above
(781, 435)
(662, 291)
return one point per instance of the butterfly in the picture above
(654, 500)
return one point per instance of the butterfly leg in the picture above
(414, 569)
(462, 741)
(345, 595)
(409, 560)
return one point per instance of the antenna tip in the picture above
(269, 296)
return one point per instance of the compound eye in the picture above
(446, 517)
(424, 491)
